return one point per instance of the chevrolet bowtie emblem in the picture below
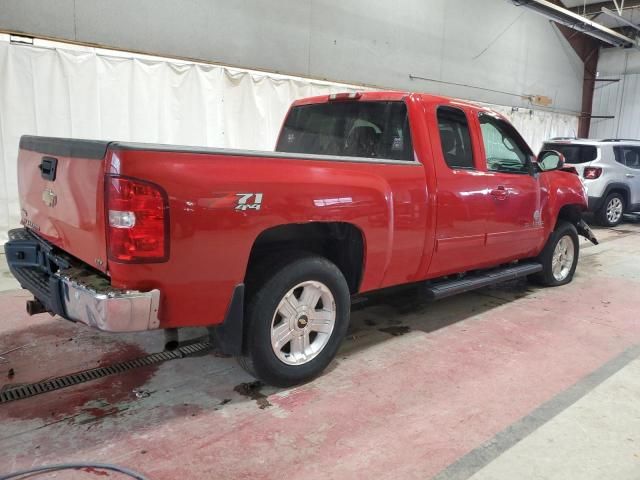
(49, 198)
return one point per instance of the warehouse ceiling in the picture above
(592, 9)
(612, 22)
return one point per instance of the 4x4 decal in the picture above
(244, 202)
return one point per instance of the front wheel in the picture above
(296, 319)
(559, 258)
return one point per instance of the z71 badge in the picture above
(245, 201)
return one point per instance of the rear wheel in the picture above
(612, 211)
(296, 319)
(559, 258)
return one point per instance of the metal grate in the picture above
(29, 390)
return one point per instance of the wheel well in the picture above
(340, 242)
(570, 213)
(622, 191)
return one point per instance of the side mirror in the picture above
(549, 160)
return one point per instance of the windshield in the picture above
(354, 129)
(573, 153)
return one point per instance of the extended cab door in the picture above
(514, 227)
(462, 205)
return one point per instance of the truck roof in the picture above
(392, 95)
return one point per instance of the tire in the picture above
(306, 302)
(612, 210)
(566, 233)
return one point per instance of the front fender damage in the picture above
(585, 231)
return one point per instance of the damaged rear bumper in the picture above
(112, 311)
(76, 292)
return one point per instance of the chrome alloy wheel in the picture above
(303, 322)
(562, 260)
(614, 210)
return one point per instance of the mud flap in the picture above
(585, 231)
(229, 335)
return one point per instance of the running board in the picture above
(447, 288)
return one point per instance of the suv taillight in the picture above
(591, 173)
(137, 220)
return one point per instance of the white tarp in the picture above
(536, 126)
(55, 92)
(86, 94)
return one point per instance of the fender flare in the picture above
(597, 203)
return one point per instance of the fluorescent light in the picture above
(577, 22)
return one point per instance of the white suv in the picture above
(610, 171)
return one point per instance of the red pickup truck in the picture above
(364, 191)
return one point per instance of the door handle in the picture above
(500, 193)
(629, 175)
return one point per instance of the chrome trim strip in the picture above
(158, 147)
(112, 310)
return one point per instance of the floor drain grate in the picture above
(29, 390)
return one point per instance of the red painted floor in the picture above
(391, 406)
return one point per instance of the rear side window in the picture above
(573, 153)
(454, 137)
(628, 156)
(351, 128)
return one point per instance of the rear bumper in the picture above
(76, 292)
(112, 311)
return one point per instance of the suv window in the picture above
(505, 150)
(573, 153)
(628, 156)
(455, 138)
(350, 128)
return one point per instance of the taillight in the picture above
(138, 220)
(591, 173)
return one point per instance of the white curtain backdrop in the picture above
(58, 92)
(84, 93)
(536, 126)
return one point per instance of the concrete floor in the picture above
(509, 382)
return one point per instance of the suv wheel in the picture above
(611, 212)
(296, 320)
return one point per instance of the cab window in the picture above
(506, 152)
(376, 129)
(455, 139)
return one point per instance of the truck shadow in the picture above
(150, 396)
(385, 315)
